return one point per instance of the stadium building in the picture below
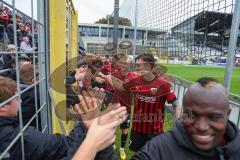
(96, 36)
(200, 30)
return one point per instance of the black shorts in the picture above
(138, 140)
(126, 124)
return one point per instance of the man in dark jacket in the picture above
(1, 64)
(40, 146)
(26, 76)
(9, 59)
(204, 131)
(10, 32)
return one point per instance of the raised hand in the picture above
(100, 136)
(90, 102)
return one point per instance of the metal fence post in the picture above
(232, 45)
(135, 30)
(115, 30)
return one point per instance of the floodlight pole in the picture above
(115, 29)
(232, 45)
(108, 16)
(135, 30)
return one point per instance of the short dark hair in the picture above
(8, 88)
(206, 81)
(26, 73)
(81, 63)
(115, 57)
(146, 57)
(97, 63)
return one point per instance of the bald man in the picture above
(204, 131)
(26, 47)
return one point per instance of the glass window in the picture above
(151, 36)
(104, 32)
(110, 32)
(89, 31)
(129, 33)
(119, 33)
(140, 34)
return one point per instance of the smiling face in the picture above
(125, 64)
(205, 115)
(142, 67)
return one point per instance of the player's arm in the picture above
(115, 82)
(172, 99)
(98, 79)
(177, 110)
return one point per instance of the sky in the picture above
(170, 14)
(90, 11)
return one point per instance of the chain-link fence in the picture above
(196, 30)
(23, 59)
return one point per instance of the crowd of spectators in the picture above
(24, 31)
(25, 58)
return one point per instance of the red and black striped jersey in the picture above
(150, 98)
(124, 97)
(108, 69)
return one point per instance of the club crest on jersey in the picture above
(154, 91)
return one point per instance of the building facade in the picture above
(96, 36)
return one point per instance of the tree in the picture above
(122, 21)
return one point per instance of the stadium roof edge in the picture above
(200, 14)
(120, 26)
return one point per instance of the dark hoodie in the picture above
(40, 146)
(28, 104)
(176, 145)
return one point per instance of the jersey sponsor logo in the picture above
(147, 99)
(154, 91)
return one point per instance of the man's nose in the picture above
(201, 125)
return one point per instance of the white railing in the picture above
(180, 86)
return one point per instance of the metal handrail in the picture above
(5, 70)
(181, 85)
